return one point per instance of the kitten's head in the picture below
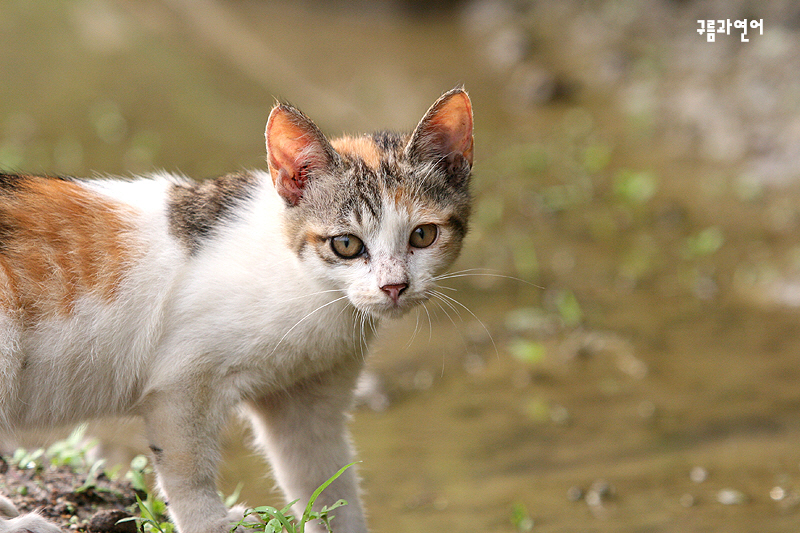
(376, 216)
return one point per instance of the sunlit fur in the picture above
(178, 302)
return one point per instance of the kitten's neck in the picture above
(257, 276)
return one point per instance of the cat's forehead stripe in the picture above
(362, 148)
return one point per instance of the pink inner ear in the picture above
(292, 148)
(453, 122)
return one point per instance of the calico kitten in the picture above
(179, 301)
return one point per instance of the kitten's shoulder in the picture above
(196, 209)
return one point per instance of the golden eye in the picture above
(423, 236)
(347, 246)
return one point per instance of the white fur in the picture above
(259, 316)
(185, 341)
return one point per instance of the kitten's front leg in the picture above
(302, 431)
(183, 430)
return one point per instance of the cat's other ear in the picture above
(444, 136)
(295, 149)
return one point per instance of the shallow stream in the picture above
(626, 357)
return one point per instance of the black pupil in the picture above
(423, 236)
(347, 245)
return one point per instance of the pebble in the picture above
(731, 497)
(777, 493)
(574, 494)
(107, 521)
(687, 500)
(698, 474)
(599, 492)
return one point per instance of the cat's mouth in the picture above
(389, 307)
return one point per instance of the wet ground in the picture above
(640, 373)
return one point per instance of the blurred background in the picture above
(623, 355)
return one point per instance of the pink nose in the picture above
(394, 290)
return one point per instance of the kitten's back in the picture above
(59, 240)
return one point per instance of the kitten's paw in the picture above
(30, 523)
(12, 522)
(236, 515)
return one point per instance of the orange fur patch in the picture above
(58, 241)
(361, 147)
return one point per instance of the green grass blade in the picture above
(315, 495)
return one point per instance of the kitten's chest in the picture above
(309, 344)
(264, 326)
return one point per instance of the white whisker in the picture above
(304, 318)
(439, 305)
(468, 310)
(445, 299)
(481, 272)
(414, 333)
(430, 324)
(313, 294)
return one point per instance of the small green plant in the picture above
(278, 520)
(91, 477)
(153, 516)
(635, 188)
(568, 308)
(152, 510)
(22, 458)
(521, 519)
(704, 243)
(69, 452)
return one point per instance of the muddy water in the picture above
(640, 371)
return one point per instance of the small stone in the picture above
(698, 474)
(599, 492)
(790, 500)
(575, 494)
(423, 380)
(603, 488)
(107, 522)
(731, 497)
(559, 415)
(646, 409)
(777, 493)
(687, 500)
(593, 499)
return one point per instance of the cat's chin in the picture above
(395, 312)
(389, 311)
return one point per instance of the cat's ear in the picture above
(444, 135)
(295, 148)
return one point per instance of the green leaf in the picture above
(136, 475)
(704, 243)
(520, 518)
(336, 505)
(231, 500)
(569, 308)
(139, 463)
(596, 157)
(315, 495)
(635, 187)
(91, 477)
(529, 352)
